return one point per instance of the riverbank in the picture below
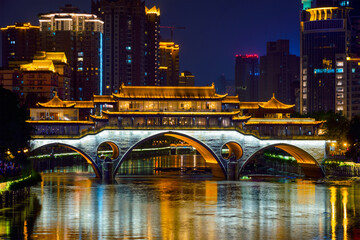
(16, 191)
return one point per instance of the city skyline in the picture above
(208, 39)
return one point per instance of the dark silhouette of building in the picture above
(186, 78)
(247, 77)
(79, 35)
(19, 42)
(124, 42)
(279, 73)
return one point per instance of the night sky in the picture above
(215, 30)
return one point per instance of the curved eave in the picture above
(47, 105)
(99, 118)
(289, 107)
(283, 123)
(121, 97)
(60, 122)
(241, 118)
(172, 113)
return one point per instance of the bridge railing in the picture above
(94, 130)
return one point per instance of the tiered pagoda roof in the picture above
(153, 92)
(56, 102)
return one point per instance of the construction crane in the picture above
(172, 30)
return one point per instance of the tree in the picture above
(336, 125)
(14, 131)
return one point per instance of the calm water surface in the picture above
(77, 206)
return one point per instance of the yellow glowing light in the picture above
(152, 10)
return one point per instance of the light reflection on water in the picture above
(76, 206)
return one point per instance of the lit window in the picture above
(304, 84)
(305, 77)
(304, 96)
(340, 108)
(339, 76)
(339, 64)
(340, 89)
(80, 54)
(339, 95)
(339, 83)
(80, 59)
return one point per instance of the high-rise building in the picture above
(186, 78)
(79, 35)
(169, 64)
(279, 73)
(325, 45)
(124, 42)
(152, 30)
(19, 42)
(247, 77)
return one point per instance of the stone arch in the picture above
(83, 154)
(234, 148)
(210, 157)
(307, 162)
(114, 147)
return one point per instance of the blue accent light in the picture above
(339, 70)
(128, 48)
(353, 70)
(101, 64)
(128, 61)
(319, 71)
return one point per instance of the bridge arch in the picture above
(307, 162)
(209, 156)
(114, 148)
(83, 154)
(234, 148)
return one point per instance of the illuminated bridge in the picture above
(195, 115)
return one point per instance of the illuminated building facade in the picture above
(247, 77)
(325, 46)
(169, 64)
(144, 107)
(152, 60)
(186, 78)
(48, 73)
(124, 42)
(79, 35)
(19, 42)
(279, 72)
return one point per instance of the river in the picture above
(78, 206)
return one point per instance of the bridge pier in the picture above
(231, 173)
(107, 170)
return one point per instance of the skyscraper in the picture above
(79, 35)
(325, 46)
(152, 61)
(247, 77)
(169, 64)
(19, 42)
(124, 42)
(279, 73)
